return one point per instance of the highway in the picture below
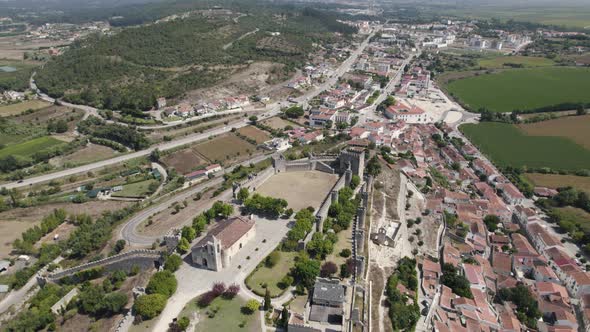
(274, 110)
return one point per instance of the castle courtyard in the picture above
(301, 188)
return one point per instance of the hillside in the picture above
(130, 69)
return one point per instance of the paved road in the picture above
(129, 231)
(274, 110)
(162, 147)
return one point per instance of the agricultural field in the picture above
(555, 181)
(507, 145)
(138, 189)
(576, 128)
(29, 148)
(254, 133)
(306, 188)
(88, 154)
(270, 277)
(14, 109)
(526, 61)
(523, 89)
(184, 161)
(225, 147)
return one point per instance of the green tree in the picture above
(243, 194)
(162, 282)
(183, 246)
(172, 263)
(305, 271)
(267, 304)
(188, 233)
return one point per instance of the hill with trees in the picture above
(130, 69)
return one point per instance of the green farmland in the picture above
(526, 61)
(523, 89)
(506, 145)
(29, 148)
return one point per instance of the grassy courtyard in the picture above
(523, 89)
(271, 276)
(222, 315)
(506, 145)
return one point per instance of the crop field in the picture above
(506, 145)
(224, 147)
(18, 108)
(558, 181)
(523, 89)
(527, 61)
(254, 133)
(305, 188)
(184, 161)
(30, 147)
(576, 128)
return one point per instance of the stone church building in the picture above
(216, 250)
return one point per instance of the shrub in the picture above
(218, 288)
(206, 299)
(272, 259)
(287, 281)
(345, 253)
(183, 323)
(150, 306)
(251, 307)
(231, 291)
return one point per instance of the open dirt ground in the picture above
(278, 123)
(225, 148)
(254, 133)
(184, 161)
(16, 221)
(300, 189)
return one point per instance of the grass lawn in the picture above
(506, 145)
(137, 189)
(344, 242)
(228, 318)
(575, 215)
(271, 276)
(18, 108)
(527, 61)
(576, 128)
(557, 181)
(28, 148)
(523, 89)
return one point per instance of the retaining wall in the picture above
(142, 258)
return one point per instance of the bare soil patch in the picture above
(572, 127)
(278, 123)
(168, 219)
(254, 133)
(557, 181)
(184, 161)
(225, 148)
(300, 189)
(88, 154)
